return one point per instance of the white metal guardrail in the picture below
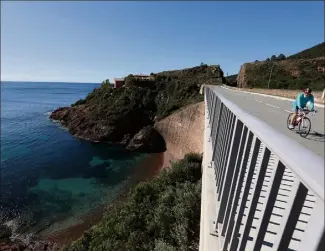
(269, 189)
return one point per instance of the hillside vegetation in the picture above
(306, 68)
(287, 74)
(313, 52)
(168, 91)
(115, 115)
(159, 215)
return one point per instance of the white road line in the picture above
(272, 105)
(288, 111)
(259, 101)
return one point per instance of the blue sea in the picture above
(49, 178)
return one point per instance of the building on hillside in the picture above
(142, 77)
(118, 82)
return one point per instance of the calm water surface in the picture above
(48, 177)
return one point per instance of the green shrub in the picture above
(193, 157)
(79, 102)
(283, 77)
(281, 57)
(161, 214)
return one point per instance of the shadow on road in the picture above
(315, 136)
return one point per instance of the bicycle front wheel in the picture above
(304, 127)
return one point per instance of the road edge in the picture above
(270, 96)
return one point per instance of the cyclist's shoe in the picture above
(291, 127)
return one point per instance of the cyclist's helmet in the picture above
(307, 90)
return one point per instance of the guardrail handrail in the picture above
(309, 168)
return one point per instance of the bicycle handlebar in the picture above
(306, 111)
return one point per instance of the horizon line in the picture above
(67, 82)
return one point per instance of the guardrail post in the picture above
(222, 145)
(252, 204)
(226, 151)
(246, 187)
(217, 131)
(219, 143)
(213, 108)
(229, 170)
(231, 233)
(272, 192)
(235, 176)
(214, 113)
(215, 122)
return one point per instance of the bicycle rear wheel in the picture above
(304, 127)
(289, 121)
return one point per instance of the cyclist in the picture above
(301, 103)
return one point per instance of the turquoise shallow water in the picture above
(47, 175)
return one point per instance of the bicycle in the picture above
(302, 121)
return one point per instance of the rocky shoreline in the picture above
(32, 246)
(146, 170)
(146, 140)
(10, 241)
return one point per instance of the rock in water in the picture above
(147, 140)
(126, 139)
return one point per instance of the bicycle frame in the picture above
(302, 115)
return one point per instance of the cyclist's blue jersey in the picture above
(301, 101)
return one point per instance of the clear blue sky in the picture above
(91, 41)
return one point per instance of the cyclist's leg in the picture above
(293, 118)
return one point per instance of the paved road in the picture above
(275, 112)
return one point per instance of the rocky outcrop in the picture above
(75, 119)
(81, 123)
(183, 132)
(147, 140)
(241, 81)
(116, 115)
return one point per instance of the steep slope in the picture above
(313, 52)
(116, 115)
(286, 74)
(306, 68)
(183, 132)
